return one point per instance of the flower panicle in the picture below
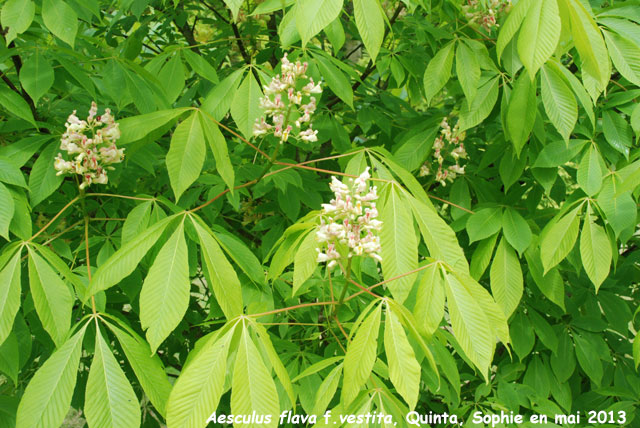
(91, 147)
(283, 101)
(448, 148)
(349, 224)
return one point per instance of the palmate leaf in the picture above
(475, 111)
(197, 391)
(476, 319)
(506, 278)
(148, 368)
(47, 398)
(404, 370)
(559, 239)
(186, 154)
(218, 147)
(305, 261)
(558, 100)
(370, 23)
(521, 113)
(223, 279)
(110, 401)
(361, 356)
(51, 297)
(624, 54)
(60, 19)
(429, 308)
(327, 390)
(399, 246)
(539, 34)
(134, 128)
(511, 25)
(516, 230)
(16, 17)
(124, 261)
(7, 209)
(9, 294)
(314, 15)
(245, 107)
(590, 172)
(166, 289)
(595, 250)
(468, 70)
(252, 388)
(438, 71)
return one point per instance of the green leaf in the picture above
(305, 261)
(484, 223)
(636, 351)
(218, 147)
(148, 368)
(404, 370)
(51, 297)
(43, 180)
(36, 76)
(559, 239)
(252, 388)
(172, 77)
(521, 113)
(47, 398)
(360, 357)
(327, 390)
(563, 362)
(337, 81)
(398, 245)
(134, 128)
(516, 230)
(201, 66)
(11, 174)
(589, 43)
(197, 391)
(60, 19)
(624, 54)
(7, 209)
(512, 24)
(16, 17)
(124, 261)
(370, 23)
(438, 71)
(218, 101)
(137, 221)
(429, 308)
(223, 279)
(275, 361)
(186, 155)
(314, 15)
(617, 131)
(16, 105)
(595, 250)
(472, 114)
(544, 331)
(10, 358)
(620, 210)
(472, 321)
(506, 278)
(10, 289)
(588, 358)
(468, 71)
(109, 397)
(558, 100)
(523, 336)
(590, 172)
(245, 107)
(234, 6)
(551, 284)
(166, 289)
(558, 153)
(539, 34)
(482, 257)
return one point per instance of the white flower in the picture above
(91, 154)
(348, 224)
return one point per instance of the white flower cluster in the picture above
(283, 103)
(442, 149)
(486, 13)
(91, 145)
(348, 225)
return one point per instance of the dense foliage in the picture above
(363, 206)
